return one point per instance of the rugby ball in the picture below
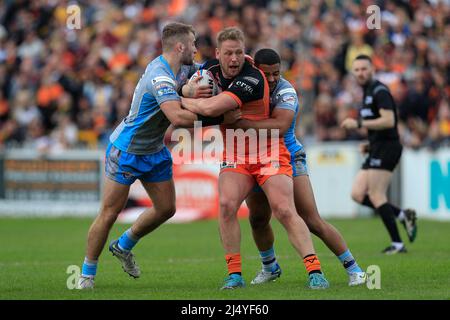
(207, 79)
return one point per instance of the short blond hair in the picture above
(230, 33)
(175, 32)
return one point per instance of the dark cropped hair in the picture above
(267, 56)
(363, 57)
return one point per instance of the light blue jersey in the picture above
(142, 131)
(285, 97)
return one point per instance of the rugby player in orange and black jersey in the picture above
(248, 85)
(251, 91)
(245, 87)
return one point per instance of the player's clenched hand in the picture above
(193, 89)
(232, 116)
(349, 123)
(364, 147)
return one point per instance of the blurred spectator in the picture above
(62, 88)
(65, 135)
(440, 127)
(357, 46)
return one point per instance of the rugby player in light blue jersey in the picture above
(137, 151)
(284, 110)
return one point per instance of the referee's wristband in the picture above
(210, 121)
(359, 121)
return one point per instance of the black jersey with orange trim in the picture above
(249, 89)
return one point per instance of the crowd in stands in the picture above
(64, 88)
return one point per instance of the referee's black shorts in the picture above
(383, 155)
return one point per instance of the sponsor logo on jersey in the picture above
(252, 80)
(244, 86)
(166, 91)
(225, 165)
(160, 85)
(368, 100)
(366, 112)
(284, 94)
(163, 79)
(288, 99)
(287, 90)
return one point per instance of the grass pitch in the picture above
(186, 262)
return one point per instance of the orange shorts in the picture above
(260, 172)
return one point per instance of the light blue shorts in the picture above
(125, 168)
(298, 163)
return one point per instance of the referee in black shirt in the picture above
(378, 116)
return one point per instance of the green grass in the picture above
(186, 262)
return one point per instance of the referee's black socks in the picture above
(387, 214)
(366, 202)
